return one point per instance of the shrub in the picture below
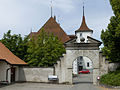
(112, 78)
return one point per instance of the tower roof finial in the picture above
(83, 8)
(51, 8)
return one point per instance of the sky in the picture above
(22, 16)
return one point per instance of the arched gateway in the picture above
(63, 68)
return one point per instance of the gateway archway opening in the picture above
(82, 70)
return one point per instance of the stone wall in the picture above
(106, 66)
(34, 74)
(103, 65)
(113, 66)
(64, 69)
(60, 69)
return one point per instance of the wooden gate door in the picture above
(12, 74)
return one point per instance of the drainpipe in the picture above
(53, 70)
(7, 74)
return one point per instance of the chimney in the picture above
(55, 18)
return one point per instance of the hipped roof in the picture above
(51, 26)
(9, 57)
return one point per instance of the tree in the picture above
(111, 36)
(15, 44)
(45, 50)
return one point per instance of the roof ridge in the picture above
(51, 26)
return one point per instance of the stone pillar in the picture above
(69, 76)
(95, 75)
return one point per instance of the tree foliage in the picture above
(15, 44)
(111, 36)
(44, 50)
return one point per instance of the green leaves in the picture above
(45, 51)
(111, 36)
(112, 78)
(42, 51)
(115, 6)
(16, 44)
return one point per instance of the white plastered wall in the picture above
(3, 71)
(87, 60)
(84, 34)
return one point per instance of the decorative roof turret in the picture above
(83, 26)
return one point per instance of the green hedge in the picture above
(112, 78)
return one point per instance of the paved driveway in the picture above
(83, 78)
(82, 82)
(40, 86)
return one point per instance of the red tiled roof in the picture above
(83, 26)
(51, 26)
(8, 56)
(72, 36)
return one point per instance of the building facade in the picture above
(9, 65)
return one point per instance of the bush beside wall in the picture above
(112, 78)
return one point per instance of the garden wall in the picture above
(29, 74)
(113, 66)
(104, 64)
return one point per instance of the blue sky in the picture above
(21, 16)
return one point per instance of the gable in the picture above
(9, 57)
(92, 40)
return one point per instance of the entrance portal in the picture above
(75, 51)
(82, 70)
(82, 63)
(12, 74)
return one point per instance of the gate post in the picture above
(95, 75)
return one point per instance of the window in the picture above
(88, 64)
(80, 34)
(81, 57)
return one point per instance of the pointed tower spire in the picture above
(83, 26)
